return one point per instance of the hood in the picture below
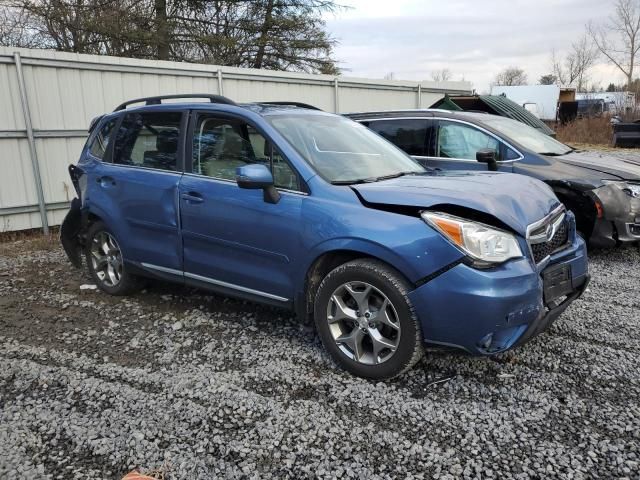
(515, 200)
(613, 165)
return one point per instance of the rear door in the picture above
(233, 239)
(135, 190)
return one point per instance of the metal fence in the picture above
(48, 98)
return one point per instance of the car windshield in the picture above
(527, 136)
(341, 150)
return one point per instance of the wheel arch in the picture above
(325, 261)
(582, 206)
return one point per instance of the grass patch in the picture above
(593, 131)
(15, 243)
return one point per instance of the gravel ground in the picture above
(202, 386)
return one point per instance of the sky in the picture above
(474, 39)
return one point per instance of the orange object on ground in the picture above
(137, 476)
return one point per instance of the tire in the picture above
(378, 343)
(105, 264)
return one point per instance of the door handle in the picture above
(192, 197)
(106, 181)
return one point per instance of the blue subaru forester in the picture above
(310, 211)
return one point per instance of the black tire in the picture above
(127, 282)
(388, 282)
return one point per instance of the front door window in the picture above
(220, 145)
(461, 141)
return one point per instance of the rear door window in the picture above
(149, 140)
(410, 135)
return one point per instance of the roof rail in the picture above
(158, 99)
(291, 104)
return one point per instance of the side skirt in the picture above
(210, 284)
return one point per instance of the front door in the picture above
(453, 146)
(233, 239)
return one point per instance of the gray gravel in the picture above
(202, 386)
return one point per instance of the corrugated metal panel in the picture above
(353, 99)
(10, 109)
(510, 109)
(65, 91)
(17, 185)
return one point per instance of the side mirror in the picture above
(488, 156)
(258, 177)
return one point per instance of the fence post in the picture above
(32, 142)
(419, 95)
(220, 89)
(336, 95)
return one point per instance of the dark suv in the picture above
(315, 213)
(603, 191)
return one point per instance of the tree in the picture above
(612, 88)
(573, 69)
(511, 76)
(270, 34)
(443, 75)
(14, 30)
(619, 38)
(549, 79)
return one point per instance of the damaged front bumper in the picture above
(618, 218)
(489, 311)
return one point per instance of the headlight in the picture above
(631, 189)
(479, 241)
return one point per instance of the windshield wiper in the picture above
(554, 154)
(393, 175)
(374, 179)
(352, 182)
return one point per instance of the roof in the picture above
(258, 108)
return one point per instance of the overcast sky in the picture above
(474, 39)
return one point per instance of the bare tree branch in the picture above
(573, 69)
(443, 75)
(618, 40)
(511, 76)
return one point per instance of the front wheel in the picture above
(105, 263)
(366, 321)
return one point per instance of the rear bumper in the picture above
(489, 311)
(70, 233)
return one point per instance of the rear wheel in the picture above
(105, 263)
(366, 321)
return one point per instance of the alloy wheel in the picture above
(106, 259)
(363, 322)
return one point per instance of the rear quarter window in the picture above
(99, 144)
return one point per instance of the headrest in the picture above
(167, 141)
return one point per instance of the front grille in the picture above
(544, 249)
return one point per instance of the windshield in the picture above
(526, 136)
(341, 150)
